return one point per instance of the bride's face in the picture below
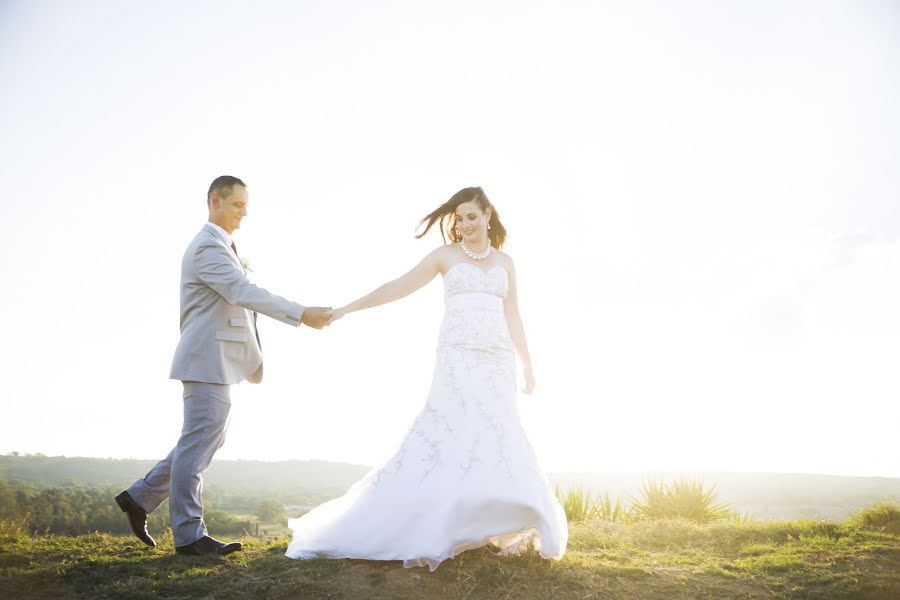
(472, 222)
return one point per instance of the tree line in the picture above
(76, 510)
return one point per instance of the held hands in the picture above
(317, 317)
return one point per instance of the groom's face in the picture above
(232, 209)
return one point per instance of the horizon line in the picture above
(16, 454)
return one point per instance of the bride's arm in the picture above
(401, 287)
(517, 329)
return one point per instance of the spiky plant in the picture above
(686, 498)
(577, 503)
(609, 511)
(580, 505)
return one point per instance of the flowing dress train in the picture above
(465, 474)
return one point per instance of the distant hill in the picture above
(233, 475)
(763, 495)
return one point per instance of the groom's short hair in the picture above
(224, 184)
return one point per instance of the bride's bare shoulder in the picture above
(506, 259)
(443, 256)
(444, 252)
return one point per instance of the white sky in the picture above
(703, 200)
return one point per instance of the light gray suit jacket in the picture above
(218, 335)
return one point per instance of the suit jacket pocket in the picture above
(232, 336)
(237, 322)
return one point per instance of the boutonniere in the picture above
(245, 262)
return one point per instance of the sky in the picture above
(702, 197)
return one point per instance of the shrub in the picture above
(686, 498)
(271, 511)
(881, 516)
(222, 522)
(580, 506)
(11, 528)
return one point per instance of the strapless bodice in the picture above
(474, 317)
(463, 278)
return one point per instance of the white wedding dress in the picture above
(465, 475)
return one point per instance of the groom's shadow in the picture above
(132, 570)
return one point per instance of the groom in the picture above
(219, 346)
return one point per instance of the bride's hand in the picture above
(529, 380)
(337, 314)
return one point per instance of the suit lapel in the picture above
(218, 235)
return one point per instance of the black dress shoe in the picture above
(137, 517)
(208, 545)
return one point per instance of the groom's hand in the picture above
(317, 317)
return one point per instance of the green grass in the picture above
(645, 560)
(881, 516)
(684, 498)
(580, 505)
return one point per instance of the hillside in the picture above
(669, 560)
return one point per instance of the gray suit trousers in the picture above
(178, 476)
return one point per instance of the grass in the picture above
(882, 516)
(581, 506)
(685, 498)
(644, 560)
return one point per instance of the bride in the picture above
(465, 475)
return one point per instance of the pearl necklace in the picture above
(472, 254)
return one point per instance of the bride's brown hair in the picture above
(445, 216)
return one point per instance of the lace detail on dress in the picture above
(465, 277)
